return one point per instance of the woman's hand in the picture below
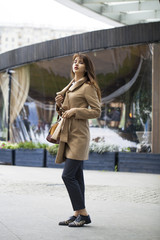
(69, 113)
(59, 100)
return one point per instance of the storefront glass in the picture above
(3, 116)
(124, 75)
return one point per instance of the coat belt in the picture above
(65, 131)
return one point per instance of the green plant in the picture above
(27, 145)
(128, 149)
(53, 149)
(101, 147)
(8, 145)
(42, 145)
(31, 145)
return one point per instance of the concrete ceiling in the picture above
(118, 12)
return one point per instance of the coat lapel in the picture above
(64, 90)
(77, 84)
(71, 87)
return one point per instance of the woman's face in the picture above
(78, 66)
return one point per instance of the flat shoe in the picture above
(70, 220)
(80, 221)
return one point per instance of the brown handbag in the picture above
(54, 132)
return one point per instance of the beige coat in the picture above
(75, 136)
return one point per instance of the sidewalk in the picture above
(122, 206)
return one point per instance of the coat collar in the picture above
(64, 90)
(77, 84)
(71, 87)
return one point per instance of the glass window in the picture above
(3, 106)
(124, 75)
(125, 78)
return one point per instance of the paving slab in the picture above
(122, 206)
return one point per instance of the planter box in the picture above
(6, 156)
(51, 161)
(139, 162)
(104, 161)
(29, 157)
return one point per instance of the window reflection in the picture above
(124, 75)
(126, 95)
(3, 117)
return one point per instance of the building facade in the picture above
(12, 37)
(126, 60)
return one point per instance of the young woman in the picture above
(76, 103)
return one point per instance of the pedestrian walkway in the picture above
(122, 206)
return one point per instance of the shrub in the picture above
(101, 147)
(27, 145)
(53, 149)
(8, 145)
(31, 145)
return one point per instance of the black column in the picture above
(9, 101)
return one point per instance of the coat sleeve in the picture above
(94, 110)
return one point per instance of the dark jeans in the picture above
(74, 182)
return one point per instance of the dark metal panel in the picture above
(106, 38)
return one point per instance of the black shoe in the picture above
(80, 221)
(70, 220)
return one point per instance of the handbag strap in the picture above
(58, 117)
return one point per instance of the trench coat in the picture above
(75, 135)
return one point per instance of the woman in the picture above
(72, 104)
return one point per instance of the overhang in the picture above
(102, 39)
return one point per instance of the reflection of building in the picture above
(12, 37)
(126, 69)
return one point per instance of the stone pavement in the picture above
(122, 206)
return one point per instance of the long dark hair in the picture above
(90, 72)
